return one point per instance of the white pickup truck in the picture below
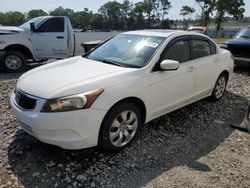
(41, 38)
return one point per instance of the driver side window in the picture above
(54, 25)
(178, 51)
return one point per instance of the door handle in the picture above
(190, 69)
(60, 37)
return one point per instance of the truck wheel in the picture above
(119, 128)
(1, 66)
(14, 61)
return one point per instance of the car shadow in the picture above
(179, 138)
(7, 76)
(242, 68)
(28, 67)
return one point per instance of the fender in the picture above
(18, 39)
(24, 49)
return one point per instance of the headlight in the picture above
(71, 103)
(225, 46)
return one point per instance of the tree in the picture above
(112, 14)
(165, 6)
(36, 13)
(245, 19)
(60, 11)
(220, 7)
(81, 19)
(187, 11)
(136, 18)
(150, 8)
(126, 8)
(231, 7)
(13, 18)
(97, 21)
(207, 7)
(156, 11)
(167, 24)
(2, 18)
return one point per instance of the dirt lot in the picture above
(191, 147)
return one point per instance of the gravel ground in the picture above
(191, 147)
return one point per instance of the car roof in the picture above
(157, 32)
(51, 16)
(163, 32)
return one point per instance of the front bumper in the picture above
(68, 130)
(244, 59)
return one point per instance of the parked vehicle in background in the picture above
(47, 37)
(239, 46)
(79, 30)
(198, 29)
(103, 97)
(87, 46)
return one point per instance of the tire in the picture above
(14, 61)
(116, 133)
(219, 88)
(248, 118)
(1, 66)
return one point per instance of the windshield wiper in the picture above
(111, 62)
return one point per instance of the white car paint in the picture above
(160, 91)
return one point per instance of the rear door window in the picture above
(200, 48)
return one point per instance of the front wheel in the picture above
(119, 127)
(219, 88)
(14, 61)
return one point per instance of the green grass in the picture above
(219, 40)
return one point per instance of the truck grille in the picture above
(24, 101)
(240, 51)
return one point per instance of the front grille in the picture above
(24, 101)
(240, 51)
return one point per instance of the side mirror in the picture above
(32, 27)
(169, 65)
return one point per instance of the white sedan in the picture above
(103, 97)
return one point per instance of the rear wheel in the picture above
(14, 61)
(119, 127)
(219, 88)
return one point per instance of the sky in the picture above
(77, 5)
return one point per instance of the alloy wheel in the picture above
(123, 128)
(220, 87)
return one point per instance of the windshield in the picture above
(127, 50)
(36, 21)
(244, 33)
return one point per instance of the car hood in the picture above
(9, 30)
(69, 76)
(237, 41)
